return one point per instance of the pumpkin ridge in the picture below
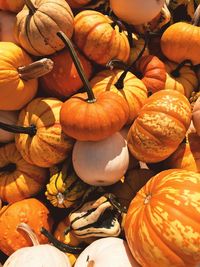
(58, 4)
(91, 13)
(31, 176)
(49, 108)
(55, 148)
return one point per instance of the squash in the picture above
(136, 12)
(99, 38)
(34, 21)
(78, 3)
(63, 80)
(36, 255)
(7, 21)
(101, 163)
(196, 115)
(162, 222)
(30, 211)
(160, 127)
(9, 117)
(109, 251)
(65, 189)
(18, 76)
(10, 5)
(18, 178)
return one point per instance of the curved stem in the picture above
(176, 73)
(60, 245)
(196, 18)
(26, 228)
(30, 6)
(68, 43)
(31, 130)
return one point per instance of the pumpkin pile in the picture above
(99, 133)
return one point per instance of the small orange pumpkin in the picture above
(10, 5)
(7, 22)
(78, 3)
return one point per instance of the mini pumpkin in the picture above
(78, 3)
(10, 5)
(160, 127)
(34, 21)
(9, 117)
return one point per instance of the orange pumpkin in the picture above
(162, 222)
(98, 37)
(78, 3)
(10, 5)
(160, 127)
(63, 80)
(196, 112)
(153, 72)
(132, 90)
(7, 21)
(45, 144)
(18, 178)
(180, 78)
(30, 211)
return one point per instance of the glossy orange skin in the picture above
(93, 121)
(98, 40)
(30, 211)
(160, 127)
(63, 80)
(162, 223)
(153, 72)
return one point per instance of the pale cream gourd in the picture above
(7, 21)
(103, 162)
(106, 252)
(38, 255)
(196, 116)
(136, 11)
(9, 117)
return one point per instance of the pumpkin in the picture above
(7, 21)
(42, 143)
(35, 255)
(136, 12)
(99, 38)
(94, 118)
(30, 211)
(131, 89)
(18, 179)
(10, 5)
(180, 41)
(78, 3)
(186, 156)
(115, 252)
(153, 72)
(196, 115)
(160, 126)
(65, 189)
(18, 80)
(126, 189)
(34, 21)
(181, 78)
(9, 117)
(63, 80)
(106, 160)
(162, 222)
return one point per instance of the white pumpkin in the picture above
(103, 162)
(9, 117)
(37, 255)
(106, 252)
(7, 21)
(136, 12)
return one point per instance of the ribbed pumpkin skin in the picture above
(30, 211)
(160, 127)
(78, 3)
(137, 46)
(94, 35)
(162, 224)
(134, 91)
(49, 146)
(14, 92)
(21, 183)
(153, 72)
(36, 33)
(185, 83)
(180, 41)
(10, 5)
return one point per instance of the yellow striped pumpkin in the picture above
(162, 224)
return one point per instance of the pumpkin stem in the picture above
(36, 69)
(196, 17)
(26, 228)
(116, 63)
(60, 245)
(176, 73)
(31, 130)
(120, 83)
(31, 7)
(68, 43)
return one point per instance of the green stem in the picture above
(30, 6)
(68, 43)
(60, 245)
(176, 73)
(31, 130)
